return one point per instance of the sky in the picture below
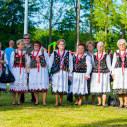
(42, 25)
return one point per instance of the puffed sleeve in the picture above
(89, 66)
(12, 60)
(51, 59)
(5, 58)
(114, 63)
(108, 61)
(70, 64)
(46, 58)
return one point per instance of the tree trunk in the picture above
(91, 18)
(123, 31)
(78, 16)
(106, 28)
(123, 26)
(75, 6)
(50, 23)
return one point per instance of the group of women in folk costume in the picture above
(88, 72)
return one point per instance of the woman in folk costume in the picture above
(82, 67)
(63, 59)
(38, 76)
(3, 86)
(17, 65)
(119, 72)
(100, 84)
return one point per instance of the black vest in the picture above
(119, 61)
(81, 65)
(34, 62)
(17, 60)
(103, 65)
(65, 62)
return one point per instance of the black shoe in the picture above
(18, 104)
(121, 106)
(0, 104)
(105, 106)
(36, 104)
(98, 105)
(61, 104)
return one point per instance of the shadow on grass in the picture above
(104, 123)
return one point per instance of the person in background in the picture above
(100, 84)
(38, 76)
(9, 50)
(28, 48)
(82, 67)
(110, 53)
(3, 86)
(63, 59)
(90, 53)
(17, 65)
(119, 72)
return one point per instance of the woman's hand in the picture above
(2, 62)
(86, 78)
(69, 77)
(113, 76)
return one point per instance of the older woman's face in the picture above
(61, 45)
(0, 46)
(122, 46)
(90, 47)
(36, 47)
(81, 49)
(100, 47)
(20, 45)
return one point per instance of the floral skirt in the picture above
(119, 91)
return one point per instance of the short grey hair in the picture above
(100, 43)
(58, 42)
(0, 43)
(122, 41)
(20, 40)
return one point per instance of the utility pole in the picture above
(26, 18)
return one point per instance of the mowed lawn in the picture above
(28, 115)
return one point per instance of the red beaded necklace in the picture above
(99, 59)
(20, 59)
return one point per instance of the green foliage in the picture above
(12, 21)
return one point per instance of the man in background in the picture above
(9, 50)
(28, 48)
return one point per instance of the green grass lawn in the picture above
(28, 115)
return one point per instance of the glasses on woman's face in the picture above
(61, 44)
(90, 46)
(36, 45)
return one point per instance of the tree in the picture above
(12, 20)
(103, 18)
